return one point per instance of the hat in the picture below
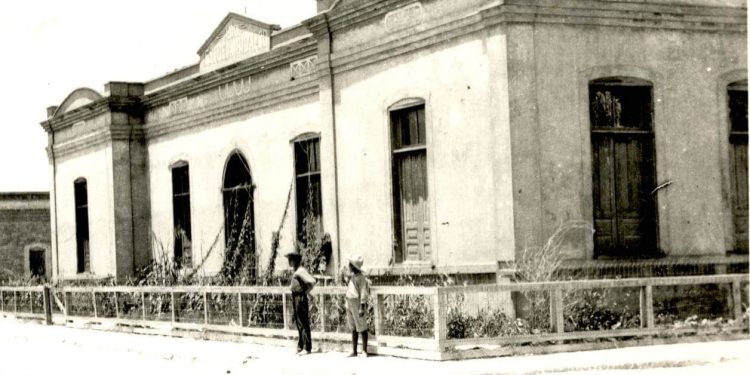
(293, 254)
(356, 262)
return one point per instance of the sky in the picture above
(52, 47)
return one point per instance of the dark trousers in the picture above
(302, 321)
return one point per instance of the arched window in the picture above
(83, 257)
(239, 226)
(411, 203)
(623, 167)
(737, 103)
(183, 254)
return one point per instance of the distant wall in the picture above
(24, 225)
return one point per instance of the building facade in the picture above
(428, 136)
(25, 236)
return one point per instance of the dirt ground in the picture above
(30, 348)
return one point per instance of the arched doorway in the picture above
(623, 168)
(239, 218)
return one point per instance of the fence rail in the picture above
(438, 319)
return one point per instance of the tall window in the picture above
(623, 167)
(183, 255)
(83, 256)
(308, 199)
(239, 226)
(411, 218)
(737, 96)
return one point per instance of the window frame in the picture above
(226, 191)
(181, 261)
(399, 256)
(82, 248)
(296, 144)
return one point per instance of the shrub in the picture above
(601, 309)
(486, 322)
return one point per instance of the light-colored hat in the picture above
(356, 262)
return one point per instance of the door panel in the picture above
(624, 211)
(414, 206)
(604, 213)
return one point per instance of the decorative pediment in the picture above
(236, 38)
(77, 99)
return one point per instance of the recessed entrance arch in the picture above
(623, 167)
(239, 215)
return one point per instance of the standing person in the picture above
(357, 294)
(301, 284)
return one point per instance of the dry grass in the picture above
(541, 263)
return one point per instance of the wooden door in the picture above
(414, 208)
(411, 203)
(623, 171)
(738, 163)
(624, 212)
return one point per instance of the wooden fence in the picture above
(423, 322)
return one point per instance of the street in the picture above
(30, 348)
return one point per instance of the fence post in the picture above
(93, 300)
(15, 302)
(737, 301)
(171, 306)
(378, 313)
(205, 308)
(117, 306)
(66, 301)
(31, 302)
(239, 308)
(47, 302)
(440, 329)
(557, 323)
(647, 306)
(2, 301)
(322, 312)
(143, 305)
(283, 310)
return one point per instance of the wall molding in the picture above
(215, 115)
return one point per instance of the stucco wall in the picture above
(550, 67)
(96, 167)
(454, 81)
(263, 138)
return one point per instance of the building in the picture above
(431, 136)
(24, 236)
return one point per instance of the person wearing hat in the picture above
(357, 294)
(301, 284)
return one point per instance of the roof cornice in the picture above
(105, 105)
(253, 65)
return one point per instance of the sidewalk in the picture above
(30, 348)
